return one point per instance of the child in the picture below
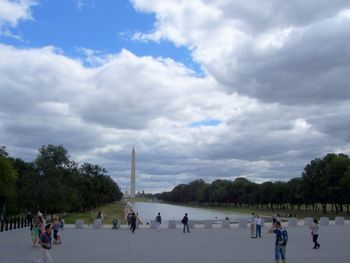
(35, 234)
(46, 244)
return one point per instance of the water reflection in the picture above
(147, 211)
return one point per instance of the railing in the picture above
(14, 223)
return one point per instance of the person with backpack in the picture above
(314, 232)
(184, 221)
(281, 241)
(158, 221)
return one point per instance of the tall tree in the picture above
(8, 189)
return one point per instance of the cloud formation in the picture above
(11, 12)
(288, 52)
(275, 87)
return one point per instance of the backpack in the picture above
(282, 238)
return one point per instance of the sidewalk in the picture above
(172, 246)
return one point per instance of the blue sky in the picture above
(106, 26)
(211, 122)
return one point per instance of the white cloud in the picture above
(277, 51)
(11, 12)
(301, 125)
(275, 79)
(100, 112)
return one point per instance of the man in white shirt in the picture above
(258, 226)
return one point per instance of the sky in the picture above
(214, 89)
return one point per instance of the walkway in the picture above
(172, 246)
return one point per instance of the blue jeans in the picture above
(280, 252)
(258, 231)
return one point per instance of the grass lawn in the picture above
(113, 210)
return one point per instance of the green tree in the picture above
(294, 193)
(27, 185)
(8, 189)
(335, 168)
(322, 181)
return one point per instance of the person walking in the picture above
(281, 241)
(46, 244)
(158, 221)
(258, 226)
(314, 232)
(133, 220)
(184, 221)
(252, 226)
(56, 235)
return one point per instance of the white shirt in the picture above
(314, 229)
(258, 221)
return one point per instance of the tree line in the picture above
(324, 184)
(53, 183)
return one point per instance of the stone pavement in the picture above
(172, 246)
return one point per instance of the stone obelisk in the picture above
(133, 174)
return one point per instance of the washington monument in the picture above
(133, 174)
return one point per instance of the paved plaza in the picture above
(172, 246)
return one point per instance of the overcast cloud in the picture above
(276, 84)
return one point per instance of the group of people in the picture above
(281, 234)
(184, 221)
(41, 234)
(132, 220)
